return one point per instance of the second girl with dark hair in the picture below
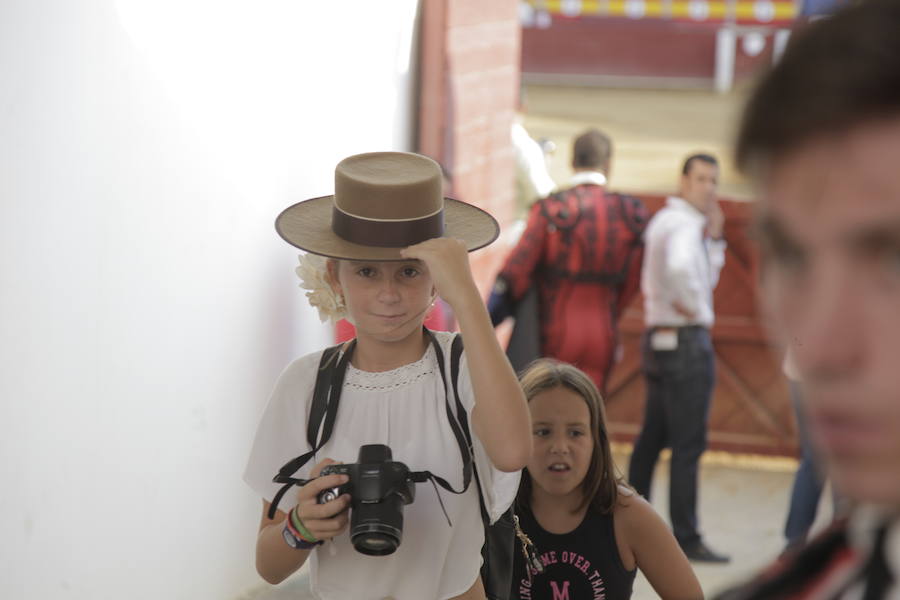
(591, 531)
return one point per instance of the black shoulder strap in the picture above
(456, 349)
(321, 396)
(458, 422)
(499, 539)
(326, 397)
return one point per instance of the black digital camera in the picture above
(378, 488)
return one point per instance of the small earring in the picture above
(339, 302)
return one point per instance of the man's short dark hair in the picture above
(835, 73)
(592, 150)
(689, 161)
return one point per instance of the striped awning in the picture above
(743, 12)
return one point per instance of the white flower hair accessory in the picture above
(313, 274)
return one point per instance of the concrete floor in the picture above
(741, 513)
(743, 502)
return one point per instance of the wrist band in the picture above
(294, 538)
(299, 529)
(293, 530)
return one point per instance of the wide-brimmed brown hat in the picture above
(383, 202)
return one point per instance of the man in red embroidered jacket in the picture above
(581, 250)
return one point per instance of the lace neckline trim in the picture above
(393, 379)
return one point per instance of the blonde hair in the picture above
(600, 484)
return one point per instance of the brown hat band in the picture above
(386, 234)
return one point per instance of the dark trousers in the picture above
(679, 389)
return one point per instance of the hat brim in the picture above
(307, 225)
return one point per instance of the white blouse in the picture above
(403, 409)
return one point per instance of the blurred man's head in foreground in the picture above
(821, 139)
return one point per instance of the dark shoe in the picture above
(700, 552)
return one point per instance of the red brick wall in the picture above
(469, 78)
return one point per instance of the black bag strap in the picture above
(330, 377)
(459, 422)
(325, 400)
(456, 349)
(500, 538)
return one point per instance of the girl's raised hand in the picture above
(323, 520)
(447, 260)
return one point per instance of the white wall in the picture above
(146, 302)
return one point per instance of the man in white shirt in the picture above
(684, 253)
(821, 139)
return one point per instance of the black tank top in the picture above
(583, 564)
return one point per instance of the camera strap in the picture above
(326, 397)
(323, 412)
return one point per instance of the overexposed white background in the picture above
(146, 302)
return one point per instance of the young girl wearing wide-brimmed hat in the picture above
(391, 243)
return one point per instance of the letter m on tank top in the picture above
(560, 594)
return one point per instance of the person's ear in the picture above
(331, 272)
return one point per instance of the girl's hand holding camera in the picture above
(323, 520)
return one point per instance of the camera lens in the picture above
(374, 453)
(376, 529)
(376, 539)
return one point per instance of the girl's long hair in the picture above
(600, 484)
